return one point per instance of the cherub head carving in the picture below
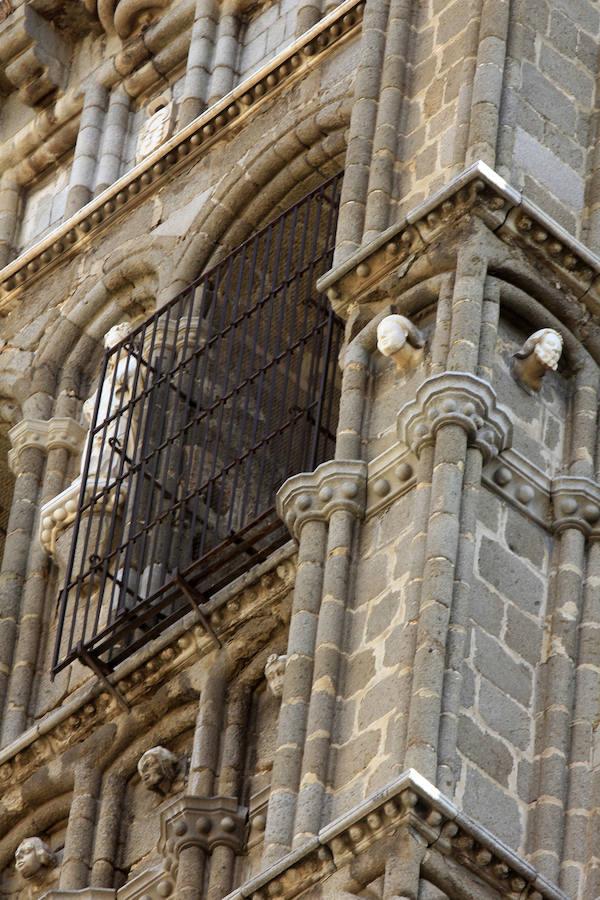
(32, 856)
(158, 769)
(274, 673)
(399, 338)
(539, 354)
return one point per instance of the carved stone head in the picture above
(158, 769)
(274, 672)
(539, 354)
(32, 856)
(116, 334)
(399, 338)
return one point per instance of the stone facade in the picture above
(402, 702)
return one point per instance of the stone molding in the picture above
(389, 475)
(522, 484)
(455, 398)
(480, 191)
(181, 646)
(83, 894)
(184, 148)
(338, 484)
(576, 504)
(44, 434)
(33, 56)
(410, 801)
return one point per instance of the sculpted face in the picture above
(274, 672)
(31, 856)
(157, 765)
(548, 350)
(391, 336)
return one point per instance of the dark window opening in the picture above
(201, 415)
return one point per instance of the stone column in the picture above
(81, 184)
(107, 831)
(110, 159)
(200, 54)
(77, 858)
(226, 51)
(9, 208)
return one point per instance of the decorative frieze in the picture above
(461, 399)
(408, 802)
(185, 147)
(49, 434)
(477, 191)
(522, 484)
(335, 484)
(390, 475)
(185, 643)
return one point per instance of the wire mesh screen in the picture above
(200, 415)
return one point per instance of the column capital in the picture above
(44, 434)
(204, 822)
(457, 398)
(315, 496)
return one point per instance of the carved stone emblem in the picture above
(33, 856)
(274, 673)
(159, 769)
(157, 128)
(398, 338)
(539, 354)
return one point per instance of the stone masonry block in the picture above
(511, 577)
(523, 635)
(548, 99)
(359, 671)
(492, 807)
(525, 538)
(486, 751)
(372, 578)
(381, 699)
(504, 716)
(382, 614)
(492, 660)
(354, 757)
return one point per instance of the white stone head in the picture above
(32, 855)
(116, 334)
(274, 673)
(539, 354)
(158, 769)
(399, 338)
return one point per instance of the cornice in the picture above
(479, 191)
(44, 434)
(410, 801)
(266, 587)
(180, 151)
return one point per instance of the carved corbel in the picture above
(34, 59)
(335, 484)
(539, 355)
(461, 399)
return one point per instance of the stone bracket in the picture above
(338, 484)
(34, 59)
(455, 398)
(204, 822)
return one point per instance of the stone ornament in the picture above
(158, 769)
(539, 354)
(32, 857)
(125, 16)
(157, 128)
(399, 339)
(275, 672)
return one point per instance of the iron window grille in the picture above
(200, 415)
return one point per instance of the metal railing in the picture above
(200, 415)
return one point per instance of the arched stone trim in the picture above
(260, 185)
